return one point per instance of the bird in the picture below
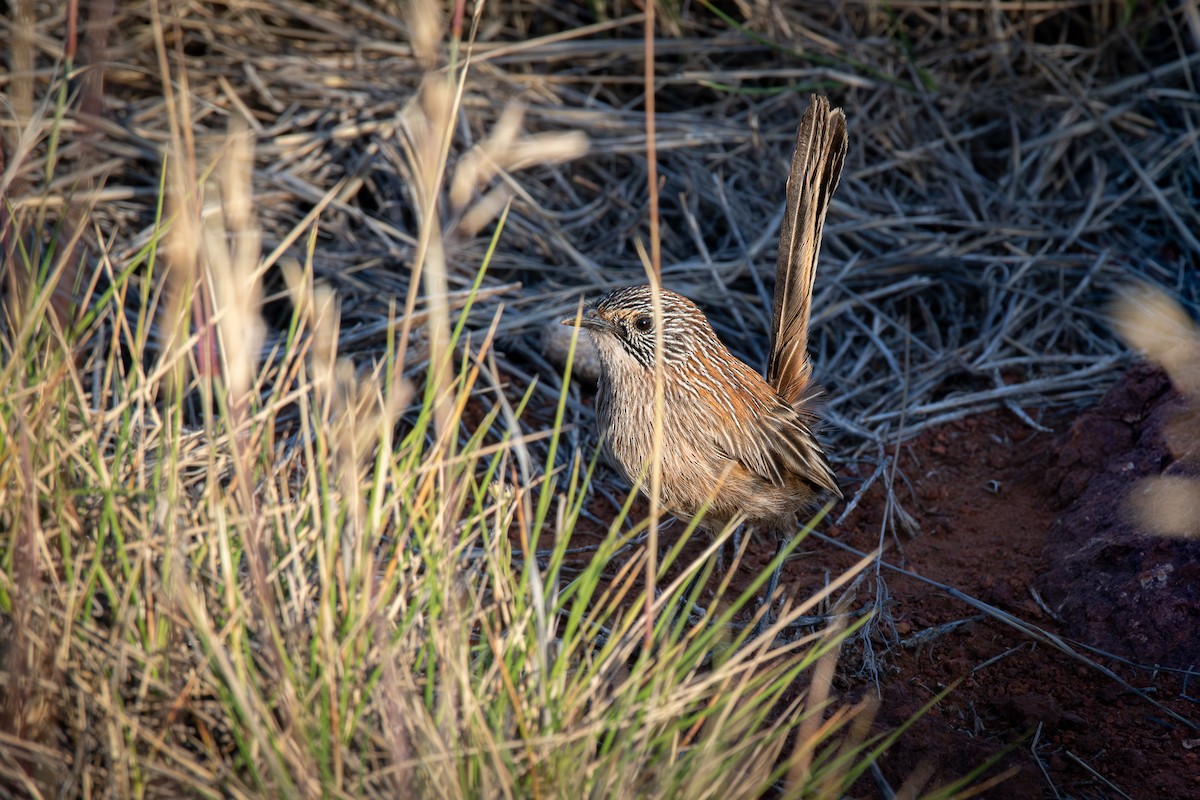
(733, 442)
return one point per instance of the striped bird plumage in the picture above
(731, 440)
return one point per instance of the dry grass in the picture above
(1014, 167)
(1010, 165)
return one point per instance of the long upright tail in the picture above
(816, 170)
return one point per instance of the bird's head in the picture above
(622, 325)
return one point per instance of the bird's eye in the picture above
(643, 323)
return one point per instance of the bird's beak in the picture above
(590, 320)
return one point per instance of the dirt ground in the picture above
(1034, 524)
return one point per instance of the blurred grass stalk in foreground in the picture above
(236, 563)
(1151, 321)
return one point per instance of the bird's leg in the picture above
(684, 606)
(768, 598)
(737, 547)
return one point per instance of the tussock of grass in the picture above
(204, 602)
(244, 560)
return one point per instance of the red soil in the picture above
(1007, 515)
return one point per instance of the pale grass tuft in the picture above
(1168, 505)
(1151, 321)
(184, 267)
(504, 150)
(481, 163)
(231, 250)
(425, 29)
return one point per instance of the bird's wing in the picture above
(776, 444)
(815, 172)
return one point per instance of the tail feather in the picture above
(816, 170)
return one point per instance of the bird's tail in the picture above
(816, 169)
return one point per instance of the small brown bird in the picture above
(731, 440)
